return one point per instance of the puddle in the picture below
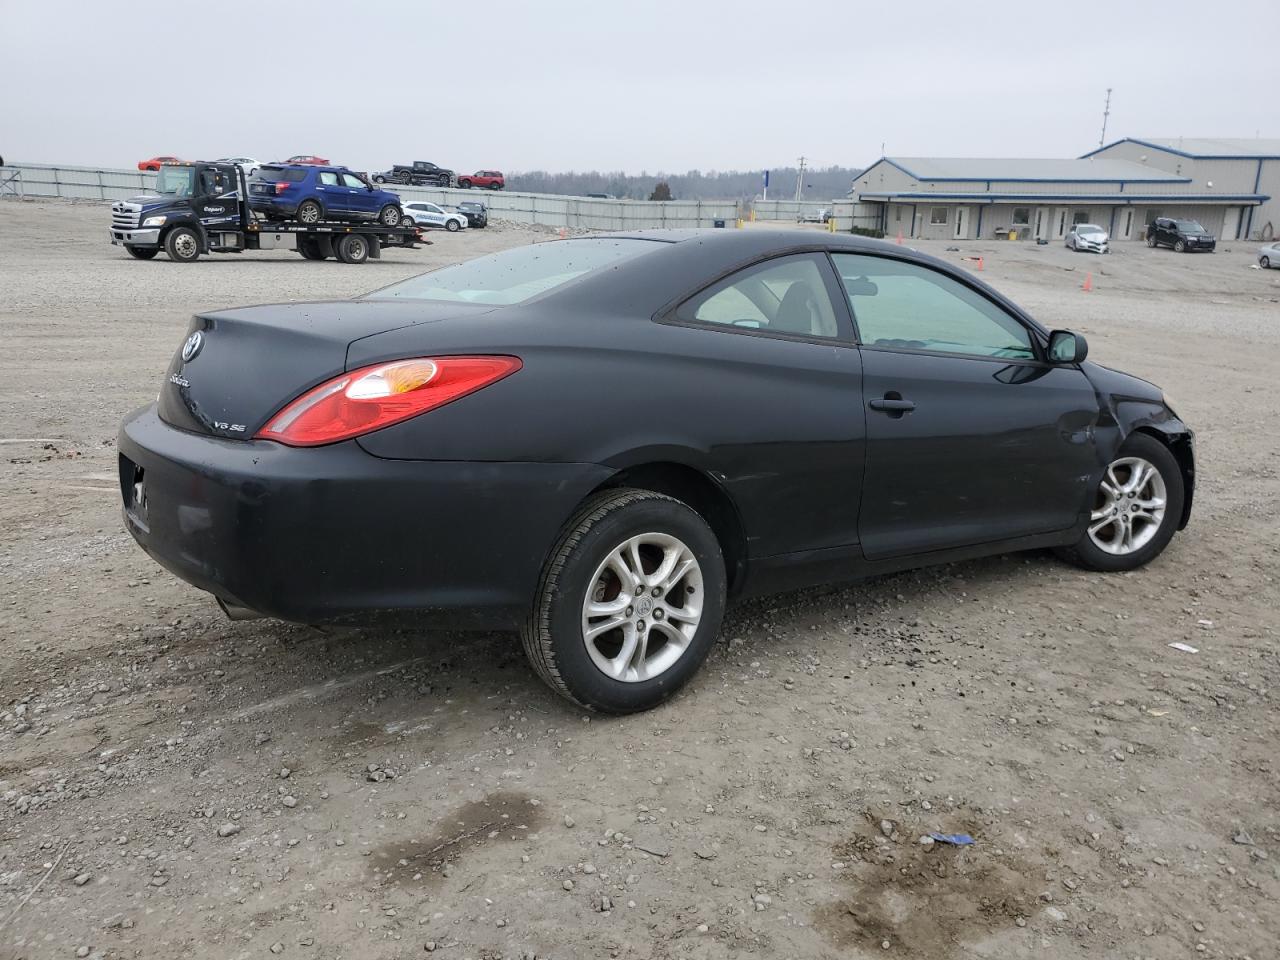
(926, 903)
(499, 818)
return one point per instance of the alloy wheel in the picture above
(1130, 507)
(642, 607)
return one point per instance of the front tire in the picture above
(452, 226)
(629, 604)
(389, 216)
(379, 179)
(1135, 511)
(464, 184)
(1179, 247)
(1151, 242)
(182, 245)
(1264, 263)
(148, 253)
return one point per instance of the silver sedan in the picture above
(1089, 237)
(1269, 256)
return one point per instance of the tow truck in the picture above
(201, 207)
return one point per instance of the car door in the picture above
(332, 194)
(972, 437)
(774, 364)
(361, 200)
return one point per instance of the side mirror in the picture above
(1067, 347)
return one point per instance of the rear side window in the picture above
(904, 306)
(785, 295)
(328, 178)
(516, 275)
(276, 174)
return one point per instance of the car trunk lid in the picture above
(237, 368)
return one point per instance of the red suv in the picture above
(492, 179)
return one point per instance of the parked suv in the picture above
(1183, 235)
(477, 213)
(489, 179)
(311, 194)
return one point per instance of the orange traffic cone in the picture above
(1088, 282)
(899, 238)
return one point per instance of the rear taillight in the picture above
(281, 186)
(377, 396)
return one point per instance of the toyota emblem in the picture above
(192, 346)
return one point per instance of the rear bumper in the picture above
(273, 208)
(136, 238)
(333, 533)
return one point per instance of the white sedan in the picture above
(1090, 237)
(423, 214)
(1269, 256)
(248, 164)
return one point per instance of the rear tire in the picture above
(389, 216)
(309, 247)
(148, 253)
(182, 245)
(1108, 510)
(657, 644)
(353, 248)
(495, 186)
(408, 221)
(309, 211)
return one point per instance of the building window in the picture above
(1080, 216)
(937, 215)
(1021, 216)
(897, 213)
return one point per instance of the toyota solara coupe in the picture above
(601, 441)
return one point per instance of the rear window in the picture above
(519, 274)
(275, 174)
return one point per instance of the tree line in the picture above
(820, 184)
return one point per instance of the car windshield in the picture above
(1089, 228)
(176, 181)
(1188, 226)
(519, 274)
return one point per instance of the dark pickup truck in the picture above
(418, 173)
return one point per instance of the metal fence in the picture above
(90, 183)
(790, 209)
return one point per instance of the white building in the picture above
(968, 198)
(1216, 166)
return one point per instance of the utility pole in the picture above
(1106, 112)
(800, 179)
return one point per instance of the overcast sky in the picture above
(650, 86)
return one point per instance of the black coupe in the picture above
(600, 441)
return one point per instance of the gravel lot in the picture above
(175, 785)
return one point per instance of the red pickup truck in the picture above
(489, 179)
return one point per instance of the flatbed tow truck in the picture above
(202, 207)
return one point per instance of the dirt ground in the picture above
(175, 785)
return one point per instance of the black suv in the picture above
(477, 213)
(1183, 235)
